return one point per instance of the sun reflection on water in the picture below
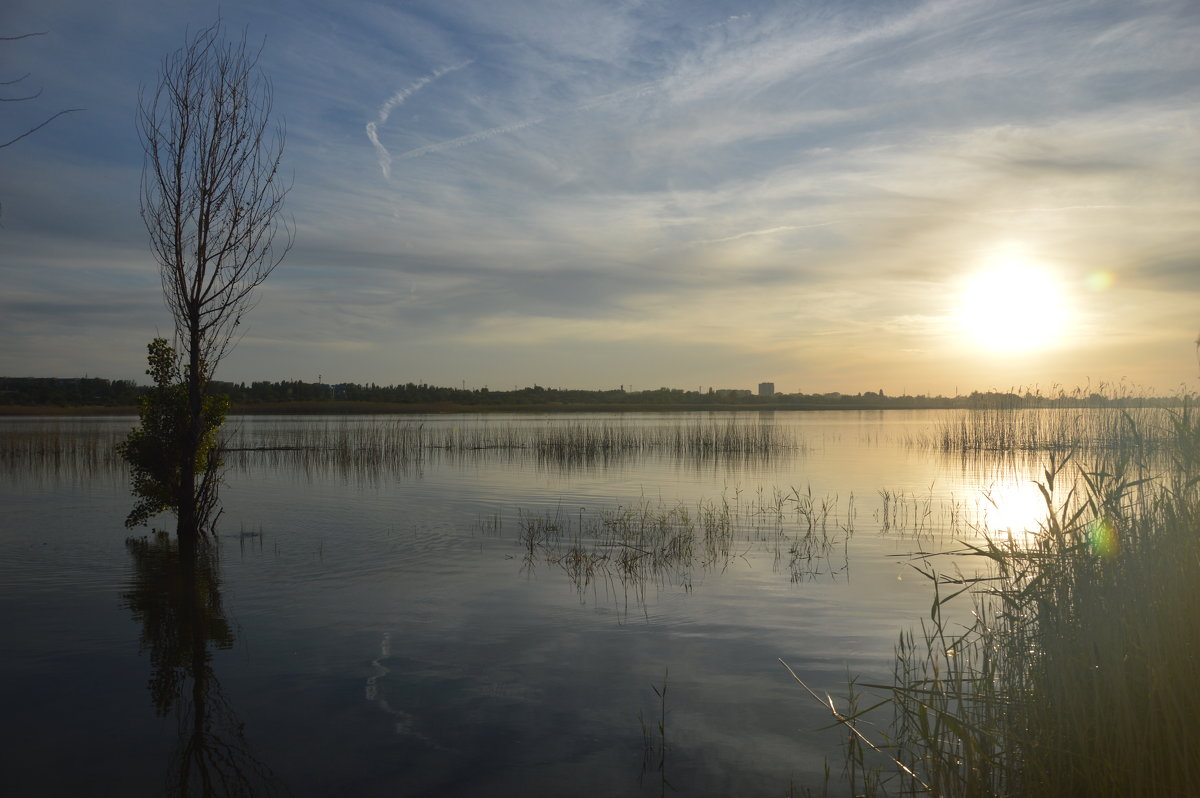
(1015, 507)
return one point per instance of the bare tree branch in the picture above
(33, 130)
(211, 193)
(27, 97)
(14, 82)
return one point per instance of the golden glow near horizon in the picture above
(1013, 304)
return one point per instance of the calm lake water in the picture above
(462, 620)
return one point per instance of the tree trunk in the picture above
(190, 524)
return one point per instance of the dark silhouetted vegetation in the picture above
(1076, 675)
(155, 450)
(297, 396)
(73, 392)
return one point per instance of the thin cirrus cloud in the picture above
(500, 130)
(797, 187)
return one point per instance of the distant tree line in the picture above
(97, 392)
(75, 392)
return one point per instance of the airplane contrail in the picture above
(470, 138)
(764, 232)
(385, 110)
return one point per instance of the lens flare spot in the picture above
(1102, 536)
(1100, 280)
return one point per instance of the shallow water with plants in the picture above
(491, 605)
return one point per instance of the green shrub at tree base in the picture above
(154, 449)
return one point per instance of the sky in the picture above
(924, 197)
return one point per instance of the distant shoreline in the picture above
(346, 408)
(336, 408)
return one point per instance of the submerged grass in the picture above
(644, 544)
(650, 744)
(1077, 675)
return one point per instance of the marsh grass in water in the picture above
(907, 512)
(64, 448)
(636, 546)
(1011, 431)
(1076, 676)
(352, 443)
(381, 447)
(657, 744)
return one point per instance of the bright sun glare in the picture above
(1013, 305)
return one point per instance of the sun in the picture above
(1013, 305)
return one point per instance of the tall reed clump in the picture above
(1012, 430)
(60, 448)
(1077, 676)
(351, 445)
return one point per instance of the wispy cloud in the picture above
(385, 111)
(802, 184)
(765, 232)
(500, 130)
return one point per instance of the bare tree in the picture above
(211, 199)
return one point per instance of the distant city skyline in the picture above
(922, 197)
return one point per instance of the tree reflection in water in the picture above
(177, 599)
